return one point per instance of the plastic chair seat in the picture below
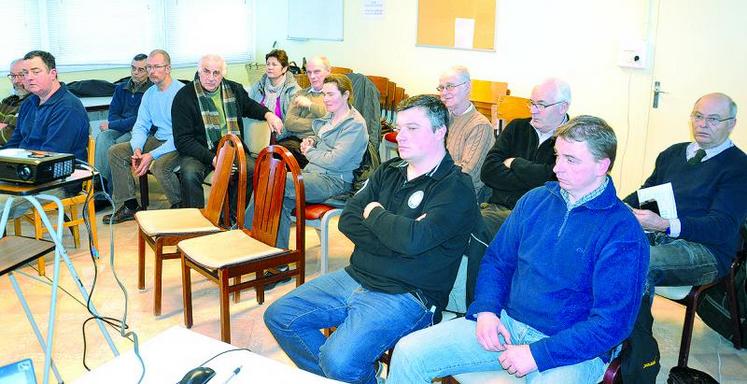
(674, 293)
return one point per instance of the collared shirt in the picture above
(710, 152)
(675, 226)
(544, 136)
(587, 197)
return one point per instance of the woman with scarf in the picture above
(276, 87)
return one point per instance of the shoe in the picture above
(273, 272)
(121, 215)
(101, 205)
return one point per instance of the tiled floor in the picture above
(709, 351)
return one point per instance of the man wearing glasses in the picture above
(709, 180)
(470, 133)
(122, 115)
(148, 151)
(9, 106)
(522, 157)
(205, 110)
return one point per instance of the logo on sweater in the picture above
(415, 199)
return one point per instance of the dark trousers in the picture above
(193, 173)
(293, 144)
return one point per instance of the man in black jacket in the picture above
(410, 224)
(522, 157)
(203, 111)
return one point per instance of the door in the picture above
(700, 47)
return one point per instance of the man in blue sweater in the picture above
(50, 119)
(559, 286)
(122, 115)
(709, 180)
(148, 151)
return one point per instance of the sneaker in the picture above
(121, 215)
(275, 271)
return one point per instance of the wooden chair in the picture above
(166, 227)
(341, 70)
(229, 255)
(512, 107)
(382, 84)
(71, 206)
(690, 298)
(485, 94)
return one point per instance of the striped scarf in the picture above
(214, 130)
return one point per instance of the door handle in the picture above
(657, 92)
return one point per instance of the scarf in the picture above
(214, 130)
(271, 97)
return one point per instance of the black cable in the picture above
(224, 352)
(119, 325)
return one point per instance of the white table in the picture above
(170, 354)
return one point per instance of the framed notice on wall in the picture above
(464, 24)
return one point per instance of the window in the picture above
(85, 34)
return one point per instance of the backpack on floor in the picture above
(687, 375)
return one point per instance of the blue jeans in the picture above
(368, 323)
(104, 140)
(317, 188)
(451, 348)
(678, 262)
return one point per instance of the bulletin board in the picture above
(315, 19)
(465, 24)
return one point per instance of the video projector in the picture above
(34, 167)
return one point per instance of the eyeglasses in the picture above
(710, 121)
(449, 87)
(15, 76)
(541, 107)
(137, 69)
(156, 66)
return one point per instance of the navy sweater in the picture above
(58, 125)
(576, 276)
(711, 198)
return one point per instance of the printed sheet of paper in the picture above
(464, 33)
(664, 197)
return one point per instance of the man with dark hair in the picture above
(122, 115)
(9, 106)
(145, 150)
(50, 119)
(410, 224)
(204, 111)
(559, 286)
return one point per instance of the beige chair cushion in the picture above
(174, 222)
(225, 248)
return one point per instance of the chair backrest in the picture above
(270, 170)
(302, 80)
(512, 107)
(341, 70)
(382, 84)
(228, 148)
(488, 91)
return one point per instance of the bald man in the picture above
(522, 157)
(307, 105)
(709, 180)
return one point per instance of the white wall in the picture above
(576, 40)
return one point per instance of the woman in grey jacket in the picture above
(276, 87)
